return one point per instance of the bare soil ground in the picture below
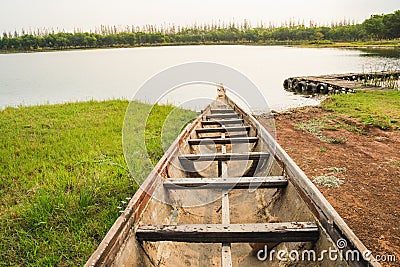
(369, 197)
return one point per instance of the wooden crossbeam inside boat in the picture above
(224, 157)
(222, 111)
(227, 135)
(222, 116)
(234, 183)
(223, 129)
(220, 141)
(223, 122)
(230, 233)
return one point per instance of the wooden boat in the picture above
(222, 195)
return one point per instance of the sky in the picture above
(89, 14)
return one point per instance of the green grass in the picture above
(376, 108)
(323, 149)
(328, 180)
(63, 175)
(360, 44)
(316, 126)
(336, 169)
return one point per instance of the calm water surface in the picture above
(57, 77)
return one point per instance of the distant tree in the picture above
(28, 42)
(126, 38)
(280, 33)
(4, 42)
(374, 26)
(319, 35)
(266, 35)
(392, 24)
(158, 37)
(109, 40)
(89, 40)
(14, 43)
(141, 38)
(77, 39)
(63, 39)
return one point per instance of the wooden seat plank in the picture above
(222, 111)
(221, 183)
(223, 129)
(222, 141)
(223, 116)
(224, 157)
(223, 122)
(230, 233)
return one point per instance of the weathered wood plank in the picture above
(222, 165)
(223, 122)
(224, 157)
(222, 111)
(223, 129)
(223, 116)
(225, 208)
(221, 141)
(226, 254)
(221, 183)
(228, 135)
(230, 233)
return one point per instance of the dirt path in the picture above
(368, 164)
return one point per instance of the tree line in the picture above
(377, 27)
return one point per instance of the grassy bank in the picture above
(377, 108)
(63, 175)
(359, 44)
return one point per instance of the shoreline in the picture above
(302, 102)
(347, 45)
(66, 102)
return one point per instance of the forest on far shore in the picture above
(377, 27)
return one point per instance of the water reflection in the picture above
(389, 52)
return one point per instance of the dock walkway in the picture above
(343, 83)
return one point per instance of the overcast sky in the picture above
(89, 14)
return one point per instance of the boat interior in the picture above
(221, 198)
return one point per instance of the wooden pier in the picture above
(343, 83)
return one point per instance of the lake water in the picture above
(57, 77)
